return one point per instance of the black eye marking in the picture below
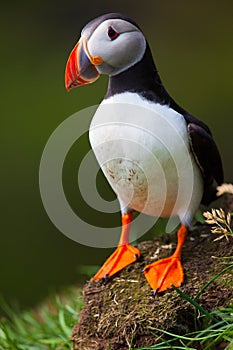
(112, 33)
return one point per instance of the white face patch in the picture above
(120, 53)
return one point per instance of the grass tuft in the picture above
(206, 339)
(47, 327)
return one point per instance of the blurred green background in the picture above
(192, 45)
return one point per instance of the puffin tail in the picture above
(209, 195)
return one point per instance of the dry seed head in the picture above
(210, 221)
(207, 215)
(220, 221)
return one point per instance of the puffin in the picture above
(158, 158)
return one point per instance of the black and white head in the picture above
(109, 44)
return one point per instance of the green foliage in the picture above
(206, 339)
(51, 325)
(48, 327)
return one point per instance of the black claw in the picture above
(146, 269)
(106, 277)
(136, 256)
(155, 292)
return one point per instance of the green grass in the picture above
(218, 331)
(49, 326)
(206, 339)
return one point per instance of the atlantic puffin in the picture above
(113, 44)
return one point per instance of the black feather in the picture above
(208, 158)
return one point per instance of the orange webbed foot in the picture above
(120, 258)
(164, 273)
(124, 254)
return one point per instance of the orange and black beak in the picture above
(81, 66)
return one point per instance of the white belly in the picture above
(143, 150)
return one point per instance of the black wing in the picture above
(205, 152)
(207, 156)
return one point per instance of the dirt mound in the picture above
(123, 311)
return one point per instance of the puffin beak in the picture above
(81, 66)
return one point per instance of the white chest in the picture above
(143, 150)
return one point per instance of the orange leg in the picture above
(124, 254)
(164, 273)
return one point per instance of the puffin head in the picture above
(109, 44)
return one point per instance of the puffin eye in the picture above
(112, 33)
